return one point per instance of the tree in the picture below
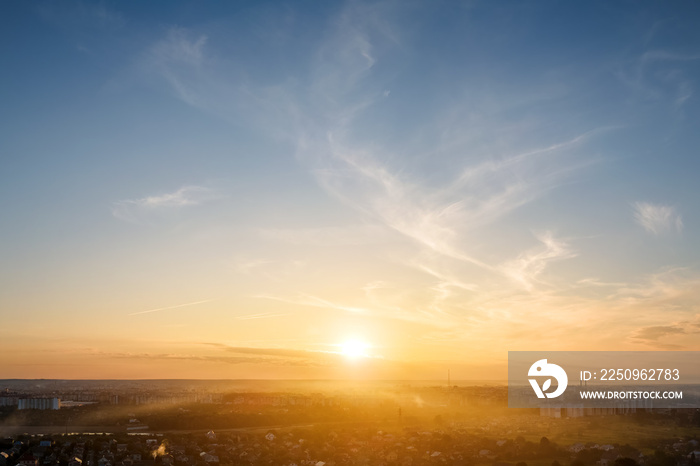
(546, 447)
(625, 461)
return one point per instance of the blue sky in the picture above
(433, 179)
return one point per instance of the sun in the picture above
(355, 349)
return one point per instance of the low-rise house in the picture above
(28, 459)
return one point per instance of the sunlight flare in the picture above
(355, 349)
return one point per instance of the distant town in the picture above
(206, 423)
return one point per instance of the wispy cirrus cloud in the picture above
(136, 210)
(657, 218)
(392, 188)
(668, 287)
(439, 217)
(660, 74)
(180, 58)
(529, 265)
(178, 306)
(184, 63)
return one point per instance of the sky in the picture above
(338, 190)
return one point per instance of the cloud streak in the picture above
(657, 219)
(662, 74)
(136, 210)
(179, 59)
(529, 266)
(171, 307)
